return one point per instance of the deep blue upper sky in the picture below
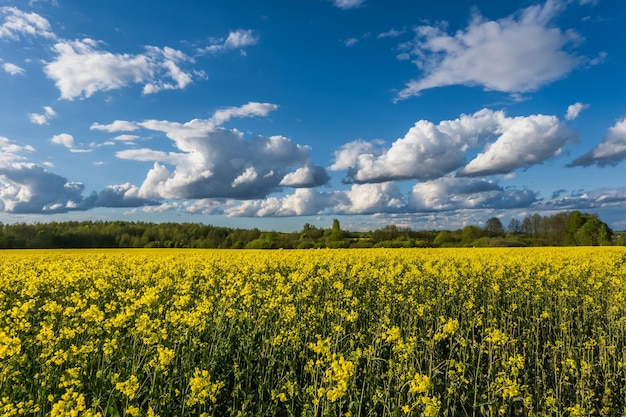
(276, 113)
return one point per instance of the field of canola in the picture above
(389, 332)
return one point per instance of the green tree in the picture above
(587, 234)
(605, 234)
(574, 222)
(389, 232)
(336, 233)
(494, 228)
(470, 233)
(515, 227)
(444, 238)
(527, 228)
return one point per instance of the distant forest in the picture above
(562, 229)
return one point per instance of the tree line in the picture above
(562, 229)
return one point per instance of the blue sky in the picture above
(276, 113)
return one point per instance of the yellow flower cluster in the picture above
(129, 387)
(339, 375)
(385, 332)
(202, 388)
(419, 384)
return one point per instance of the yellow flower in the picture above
(339, 375)
(166, 355)
(203, 388)
(9, 346)
(71, 404)
(431, 406)
(419, 384)
(132, 411)
(448, 329)
(129, 387)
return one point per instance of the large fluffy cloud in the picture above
(611, 151)
(519, 53)
(307, 176)
(360, 199)
(215, 162)
(26, 187)
(443, 203)
(450, 193)
(523, 142)
(30, 188)
(369, 199)
(429, 150)
(81, 69)
(444, 194)
(302, 202)
(123, 195)
(225, 164)
(210, 164)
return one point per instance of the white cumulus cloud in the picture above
(451, 193)
(42, 118)
(26, 187)
(307, 176)
(249, 176)
(251, 109)
(522, 143)
(516, 54)
(81, 69)
(573, 110)
(302, 202)
(611, 151)
(370, 198)
(444, 194)
(10, 151)
(123, 195)
(29, 188)
(208, 206)
(18, 23)
(237, 39)
(67, 140)
(115, 126)
(64, 139)
(214, 162)
(430, 151)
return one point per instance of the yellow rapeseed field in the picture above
(375, 332)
